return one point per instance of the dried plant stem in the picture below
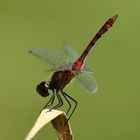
(58, 120)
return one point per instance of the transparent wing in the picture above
(86, 69)
(72, 56)
(87, 81)
(57, 59)
(53, 58)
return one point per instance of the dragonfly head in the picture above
(42, 89)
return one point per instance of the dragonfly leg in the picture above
(50, 101)
(67, 101)
(76, 103)
(60, 101)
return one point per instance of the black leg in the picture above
(76, 103)
(51, 100)
(67, 101)
(60, 101)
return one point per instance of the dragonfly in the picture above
(65, 65)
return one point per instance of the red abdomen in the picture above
(77, 66)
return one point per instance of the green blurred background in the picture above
(111, 114)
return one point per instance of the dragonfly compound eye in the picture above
(42, 89)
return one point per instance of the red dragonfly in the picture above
(65, 66)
